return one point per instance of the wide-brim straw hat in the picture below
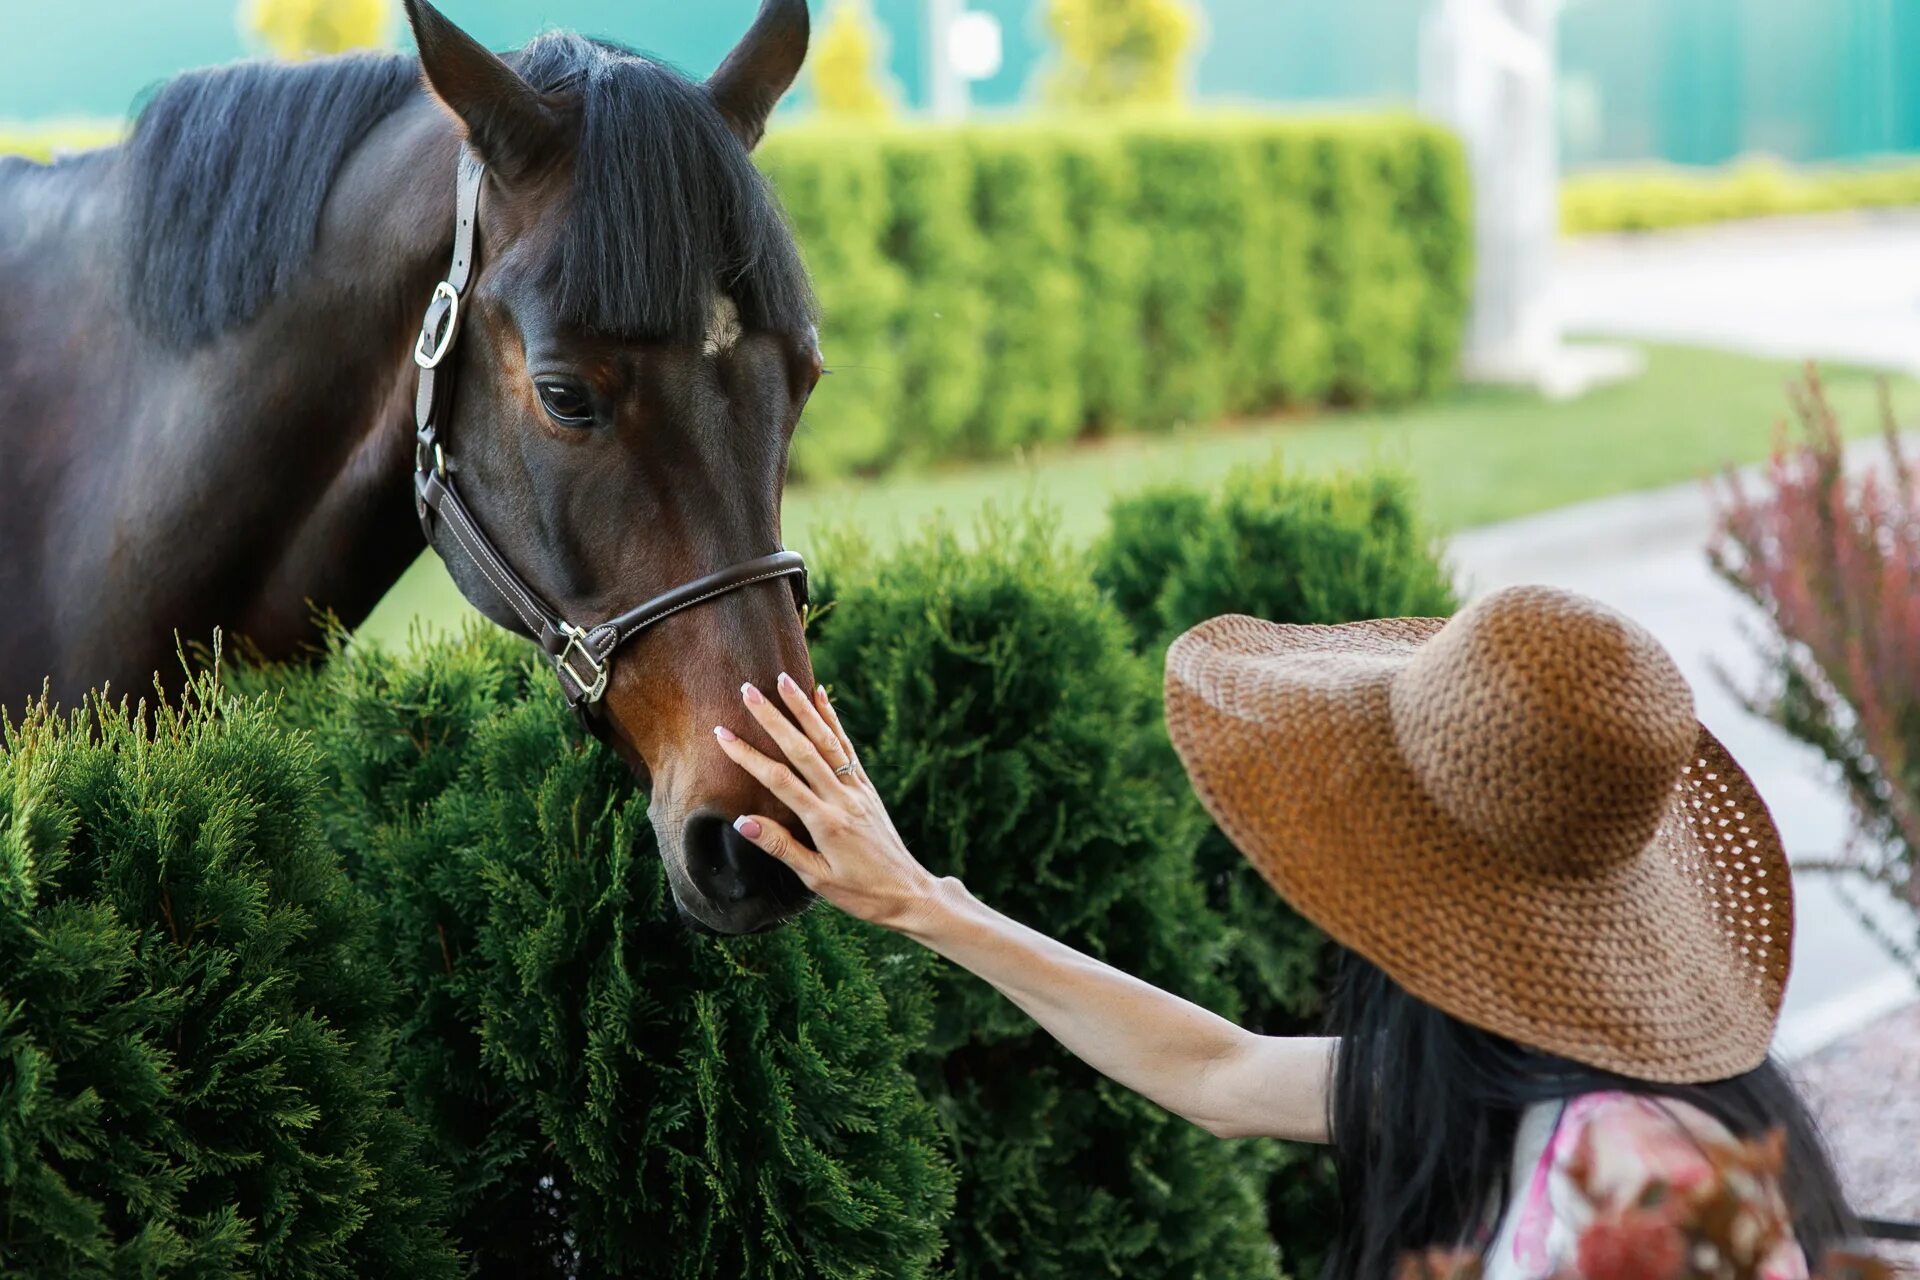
(1515, 814)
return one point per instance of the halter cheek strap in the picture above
(582, 655)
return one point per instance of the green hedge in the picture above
(193, 1021)
(1651, 199)
(606, 1093)
(996, 286)
(612, 1094)
(1003, 716)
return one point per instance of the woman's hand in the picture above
(1191, 1062)
(860, 864)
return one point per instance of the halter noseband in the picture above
(581, 655)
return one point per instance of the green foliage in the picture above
(1003, 716)
(1651, 199)
(1288, 548)
(193, 1042)
(1120, 53)
(847, 66)
(1008, 285)
(612, 1093)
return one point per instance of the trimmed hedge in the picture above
(1003, 716)
(193, 1023)
(1652, 199)
(996, 286)
(612, 1094)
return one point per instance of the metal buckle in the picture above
(439, 465)
(444, 342)
(576, 642)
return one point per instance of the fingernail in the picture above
(725, 734)
(747, 827)
(788, 682)
(820, 692)
(751, 694)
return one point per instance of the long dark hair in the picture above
(1425, 1109)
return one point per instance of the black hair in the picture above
(1425, 1109)
(230, 168)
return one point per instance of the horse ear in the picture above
(507, 121)
(761, 68)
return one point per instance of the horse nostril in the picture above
(713, 859)
(739, 889)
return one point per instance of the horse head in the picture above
(637, 345)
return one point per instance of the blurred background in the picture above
(1696, 82)
(1550, 264)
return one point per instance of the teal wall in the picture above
(1695, 81)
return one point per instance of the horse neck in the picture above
(310, 446)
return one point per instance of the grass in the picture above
(1478, 455)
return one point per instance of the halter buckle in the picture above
(590, 691)
(430, 456)
(449, 325)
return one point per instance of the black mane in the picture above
(231, 167)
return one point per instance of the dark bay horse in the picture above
(207, 380)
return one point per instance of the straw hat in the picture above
(1515, 814)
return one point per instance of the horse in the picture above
(211, 344)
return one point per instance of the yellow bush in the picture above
(1651, 199)
(846, 66)
(1120, 52)
(315, 28)
(43, 140)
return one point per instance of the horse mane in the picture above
(231, 167)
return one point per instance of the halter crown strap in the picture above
(581, 656)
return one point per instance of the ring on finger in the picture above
(844, 771)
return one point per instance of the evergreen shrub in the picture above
(1289, 548)
(193, 1023)
(1000, 711)
(1011, 284)
(612, 1094)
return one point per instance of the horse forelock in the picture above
(667, 211)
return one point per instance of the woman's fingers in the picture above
(807, 716)
(796, 746)
(789, 787)
(770, 837)
(832, 719)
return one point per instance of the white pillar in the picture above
(948, 95)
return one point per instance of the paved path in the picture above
(1843, 288)
(1840, 287)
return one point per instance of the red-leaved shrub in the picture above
(1832, 556)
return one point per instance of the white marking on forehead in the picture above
(723, 326)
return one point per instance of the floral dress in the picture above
(1629, 1141)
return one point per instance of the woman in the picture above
(1565, 914)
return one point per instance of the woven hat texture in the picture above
(1515, 814)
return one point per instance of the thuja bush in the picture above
(1001, 712)
(612, 1094)
(1833, 560)
(193, 1025)
(1289, 548)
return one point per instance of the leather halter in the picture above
(582, 655)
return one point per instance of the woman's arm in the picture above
(1192, 1062)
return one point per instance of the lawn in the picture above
(1479, 455)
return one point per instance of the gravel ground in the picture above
(1865, 1089)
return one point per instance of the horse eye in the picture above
(566, 404)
